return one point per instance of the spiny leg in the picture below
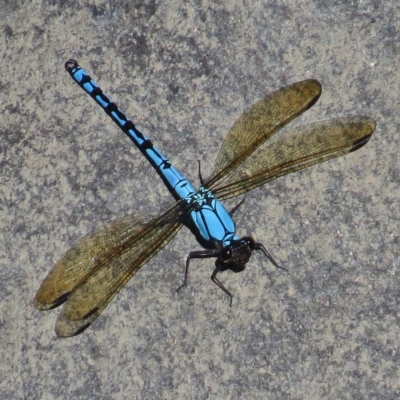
(234, 209)
(220, 285)
(197, 254)
(200, 176)
(260, 246)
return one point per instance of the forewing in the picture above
(296, 150)
(259, 122)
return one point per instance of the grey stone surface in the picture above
(184, 71)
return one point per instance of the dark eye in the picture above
(226, 254)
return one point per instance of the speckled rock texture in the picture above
(184, 71)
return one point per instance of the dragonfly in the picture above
(93, 271)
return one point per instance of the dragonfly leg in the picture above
(260, 246)
(200, 176)
(220, 285)
(197, 254)
(234, 209)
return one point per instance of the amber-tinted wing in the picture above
(93, 271)
(296, 150)
(259, 122)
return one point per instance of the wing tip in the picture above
(360, 142)
(314, 87)
(73, 325)
(369, 125)
(41, 304)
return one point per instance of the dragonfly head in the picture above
(236, 256)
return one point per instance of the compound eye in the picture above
(226, 254)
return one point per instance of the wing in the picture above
(92, 272)
(259, 122)
(296, 150)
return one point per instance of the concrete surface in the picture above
(184, 71)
